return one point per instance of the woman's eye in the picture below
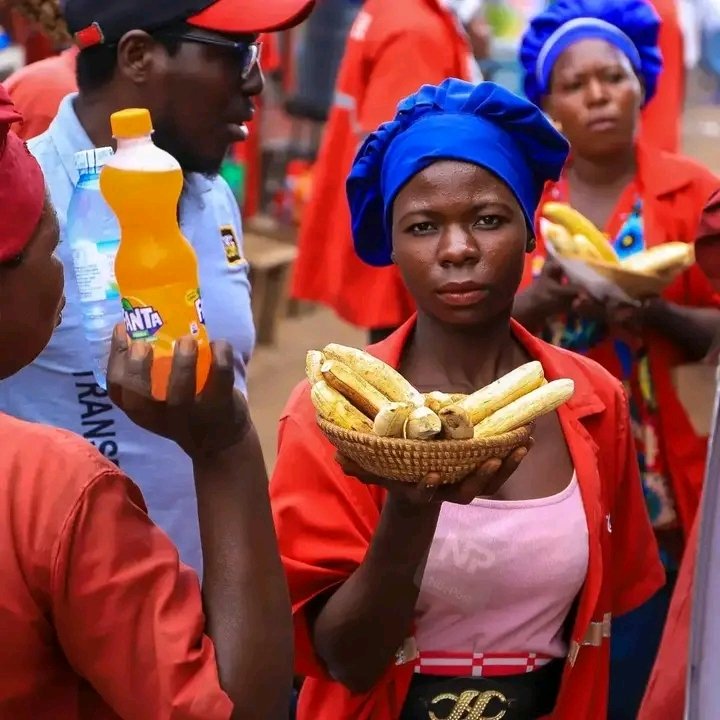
(489, 221)
(422, 228)
(571, 86)
(616, 78)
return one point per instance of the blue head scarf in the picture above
(632, 26)
(484, 124)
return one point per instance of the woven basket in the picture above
(411, 460)
(637, 285)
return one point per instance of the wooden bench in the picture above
(270, 262)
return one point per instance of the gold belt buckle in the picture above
(470, 705)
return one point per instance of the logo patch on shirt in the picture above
(231, 245)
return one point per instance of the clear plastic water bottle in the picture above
(93, 234)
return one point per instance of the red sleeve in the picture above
(325, 520)
(665, 695)
(401, 65)
(128, 615)
(638, 571)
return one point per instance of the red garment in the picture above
(674, 191)
(37, 90)
(99, 619)
(22, 185)
(662, 118)
(665, 694)
(393, 49)
(325, 521)
(707, 245)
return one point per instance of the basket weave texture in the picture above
(411, 460)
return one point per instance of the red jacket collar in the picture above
(663, 173)
(556, 362)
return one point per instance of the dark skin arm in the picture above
(245, 597)
(359, 628)
(693, 329)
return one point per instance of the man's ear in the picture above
(136, 55)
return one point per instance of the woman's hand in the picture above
(201, 425)
(484, 482)
(549, 295)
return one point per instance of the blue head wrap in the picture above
(632, 26)
(481, 124)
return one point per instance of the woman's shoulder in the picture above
(675, 171)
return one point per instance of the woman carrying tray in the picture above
(592, 65)
(494, 597)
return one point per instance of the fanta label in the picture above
(141, 322)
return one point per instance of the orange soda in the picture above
(156, 267)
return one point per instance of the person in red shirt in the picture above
(592, 65)
(99, 619)
(666, 691)
(393, 48)
(391, 622)
(662, 117)
(37, 89)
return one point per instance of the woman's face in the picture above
(31, 297)
(459, 240)
(596, 97)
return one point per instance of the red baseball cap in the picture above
(97, 22)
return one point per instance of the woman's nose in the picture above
(596, 92)
(457, 247)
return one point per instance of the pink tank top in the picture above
(501, 576)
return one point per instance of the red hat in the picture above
(97, 22)
(707, 244)
(22, 186)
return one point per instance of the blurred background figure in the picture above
(393, 49)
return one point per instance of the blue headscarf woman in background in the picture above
(465, 601)
(592, 65)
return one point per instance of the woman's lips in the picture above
(462, 295)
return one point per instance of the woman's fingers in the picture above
(221, 381)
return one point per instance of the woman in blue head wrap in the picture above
(592, 65)
(463, 602)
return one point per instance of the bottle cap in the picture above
(133, 123)
(92, 160)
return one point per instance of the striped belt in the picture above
(452, 664)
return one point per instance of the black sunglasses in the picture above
(248, 52)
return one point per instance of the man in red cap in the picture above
(195, 65)
(98, 618)
(665, 696)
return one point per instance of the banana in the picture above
(577, 224)
(527, 408)
(390, 421)
(585, 249)
(422, 424)
(333, 407)
(558, 236)
(313, 363)
(661, 258)
(437, 400)
(380, 375)
(357, 390)
(483, 403)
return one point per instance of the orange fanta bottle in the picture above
(156, 267)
